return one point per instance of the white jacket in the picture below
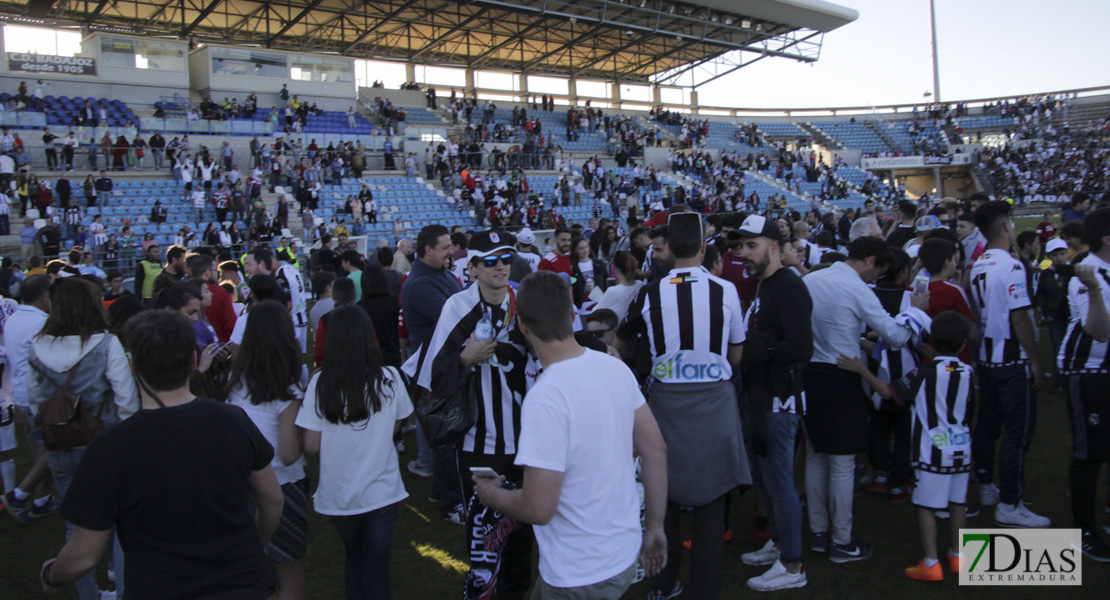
(60, 354)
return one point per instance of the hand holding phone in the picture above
(484, 472)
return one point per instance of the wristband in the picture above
(44, 575)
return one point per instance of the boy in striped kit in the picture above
(939, 392)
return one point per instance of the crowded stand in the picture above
(754, 318)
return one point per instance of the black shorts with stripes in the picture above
(1089, 408)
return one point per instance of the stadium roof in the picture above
(628, 40)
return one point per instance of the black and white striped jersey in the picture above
(998, 288)
(1079, 352)
(436, 367)
(940, 391)
(689, 317)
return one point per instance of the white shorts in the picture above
(937, 491)
(7, 433)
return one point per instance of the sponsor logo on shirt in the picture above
(676, 370)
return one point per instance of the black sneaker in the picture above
(456, 515)
(819, 543)
(853, 551)
(1094, 548)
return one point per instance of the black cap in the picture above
(484, 243)
(759, 226)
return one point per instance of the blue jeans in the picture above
(775, 474)
(1007, 408)
(63, 464)
(103, 197)
(367, 539)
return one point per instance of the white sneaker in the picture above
(1019, 517)
(764, 556)
(989, 495)
(778, 578)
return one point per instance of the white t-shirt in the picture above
(358, 463)
(578, 419)
(532, 258)
(265, 418)
(618, 298)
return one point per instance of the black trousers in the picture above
(1089, 409)
(896, 463)
(516, 557)
(707, 553)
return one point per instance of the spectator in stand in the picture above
(103, 187)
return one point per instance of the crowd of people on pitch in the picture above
(821, 338)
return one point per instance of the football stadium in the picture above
(215, 158)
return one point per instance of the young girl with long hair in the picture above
(352, 408)
(268, 380)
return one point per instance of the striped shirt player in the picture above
(998, 287)
(292, 284)
(941, 440)
(1079, 352)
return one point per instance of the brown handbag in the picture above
(64, 417)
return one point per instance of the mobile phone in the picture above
(484, 472)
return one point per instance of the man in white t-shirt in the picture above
(579, 472)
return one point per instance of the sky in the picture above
(987, 48)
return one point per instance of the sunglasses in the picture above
(491, 261)
(600, 333)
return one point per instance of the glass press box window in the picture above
(321, 70)
(229, 61)
(142, 54)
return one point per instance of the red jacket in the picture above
(221, 315)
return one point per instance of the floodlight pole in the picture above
(936, 67)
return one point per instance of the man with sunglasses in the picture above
(495, 370)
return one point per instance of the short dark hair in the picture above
(351, 257)
(1095, 227)
(978, 197)
(113, 275)
(558, 231)
(685, 235)
(659, 231)
(542, 298)
(865, 247)
(197, 264)
(321, 280)
(1072, 229)
(265, 287)
(824, 238)
(229, 265)
(175, 252)
(458, 239)
(161, 344)
(949, 332)
(989, 217)
(74, 255)
(264, 256)
(712, 255)
(385, 256)
(1025, 238)
(907, 208)
(325, 239)
(934, 253)
(605, 316)
(177, 295)
(1079, 197)
(428, 236)
(343, 291)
